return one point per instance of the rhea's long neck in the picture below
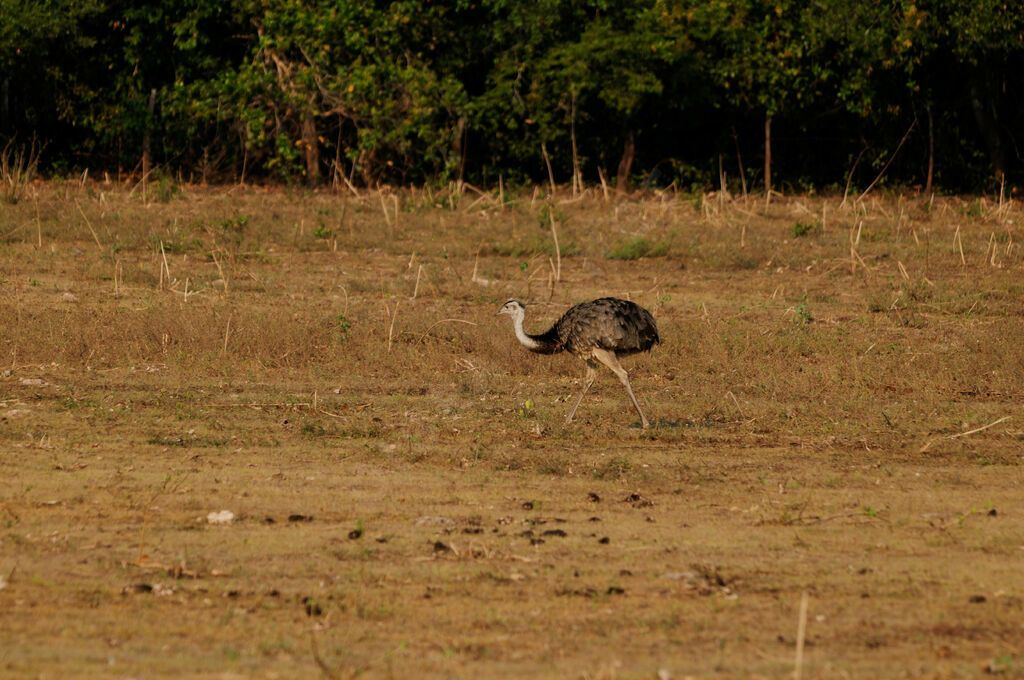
(534, 343)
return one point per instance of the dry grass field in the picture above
(837, 414)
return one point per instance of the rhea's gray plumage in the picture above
(597, 331)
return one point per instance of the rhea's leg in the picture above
(611, 361)
(588, 380)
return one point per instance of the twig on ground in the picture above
(438, 323)
(801, 631)
(979, 429)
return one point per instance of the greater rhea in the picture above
(598, 331)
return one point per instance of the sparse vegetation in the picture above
(846, 424)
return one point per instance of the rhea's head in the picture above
(513, 308)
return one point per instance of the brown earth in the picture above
(836, 408)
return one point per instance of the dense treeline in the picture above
(804, 93)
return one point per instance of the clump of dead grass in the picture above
(18, 167)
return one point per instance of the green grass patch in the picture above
(638, 247)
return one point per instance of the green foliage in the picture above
(534, 245)
(431, 92)
(164, 188)
(802, 228)
(322, 232)
(801, 316)
(343, 326)
(636, 248)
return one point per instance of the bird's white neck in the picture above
(521, 335)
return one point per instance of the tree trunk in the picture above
(767, 158)
(931, 152)
(739, 162)
(577, 176)
(146, 155)
(628, 151)
(5, 103)
(462, 148)
(986, 115)
(311, 144)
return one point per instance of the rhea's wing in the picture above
(609, 323)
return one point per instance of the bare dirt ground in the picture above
(836, 408)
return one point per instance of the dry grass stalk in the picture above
(558, 251)
(390, 316)
(118, 278)
(220, 270)
(17, 170)
(89, 224)
(879, 207)
(891, 159)
(577, 199)
(849, 177)
(853, 253)
(227, 335)
(547, 161)
(185, 293)
(416, 288)
(384, 208)
(737, 402)
(476, 278)
(165, 270)
(723, 187)
(903, 270)
(350, 186)
(991, 246)
(483, 197)
(144, 183)
(860, 259)
(604, 183)
(957, 241)
(801, 631)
